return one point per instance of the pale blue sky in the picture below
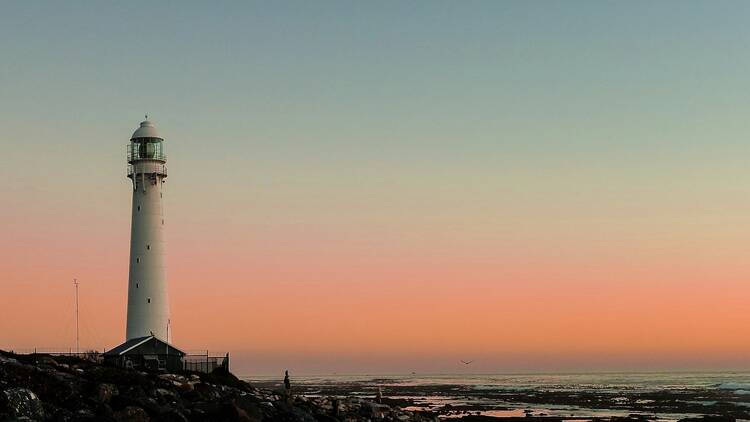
(621, 87)
(394, 78)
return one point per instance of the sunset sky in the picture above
(380, 187)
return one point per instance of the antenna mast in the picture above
(78, 349)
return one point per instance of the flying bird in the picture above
(466, 362)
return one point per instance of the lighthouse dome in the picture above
(146, 130)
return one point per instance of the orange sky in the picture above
(326, 299)
(388, 186)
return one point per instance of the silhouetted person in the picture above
(287, 386)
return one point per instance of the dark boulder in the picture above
(252, 407)
(105, 392)
(22, 402)
(131, 414)
(206, 392)
(174, 416)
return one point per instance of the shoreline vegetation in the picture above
(59, 388)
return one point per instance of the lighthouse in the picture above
(148, 303)
(147, 336)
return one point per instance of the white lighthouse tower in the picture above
(148, 304)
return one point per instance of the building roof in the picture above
(147, 130)
(134, 343)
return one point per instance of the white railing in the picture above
(147, 167)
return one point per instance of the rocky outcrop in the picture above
(23, 403)
(40, 388)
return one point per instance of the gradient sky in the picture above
(388, 186)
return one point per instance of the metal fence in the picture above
(60, 351)
(196, 361)
(205, 363)
(88, 354)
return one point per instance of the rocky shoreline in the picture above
(460, 401)
(44, 388)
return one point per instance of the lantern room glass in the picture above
(146, 149)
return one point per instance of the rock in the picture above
(54, 413)
(251, 407)
(172, 377)
(104, 409)
(206, 391)
(707, 418)
(174, 416)
(22, 402)
(301, 415)
(46, 360)
(5, 359)
(164, 393)
(131, 414)
(83, 414)
(375, 410)
(208, 409)
(231, 412)
(150, 405)
(128, 397)
(104, 392)
(186, 387)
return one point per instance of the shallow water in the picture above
(651, 381)
(663, 396)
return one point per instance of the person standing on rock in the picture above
(287, 386)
